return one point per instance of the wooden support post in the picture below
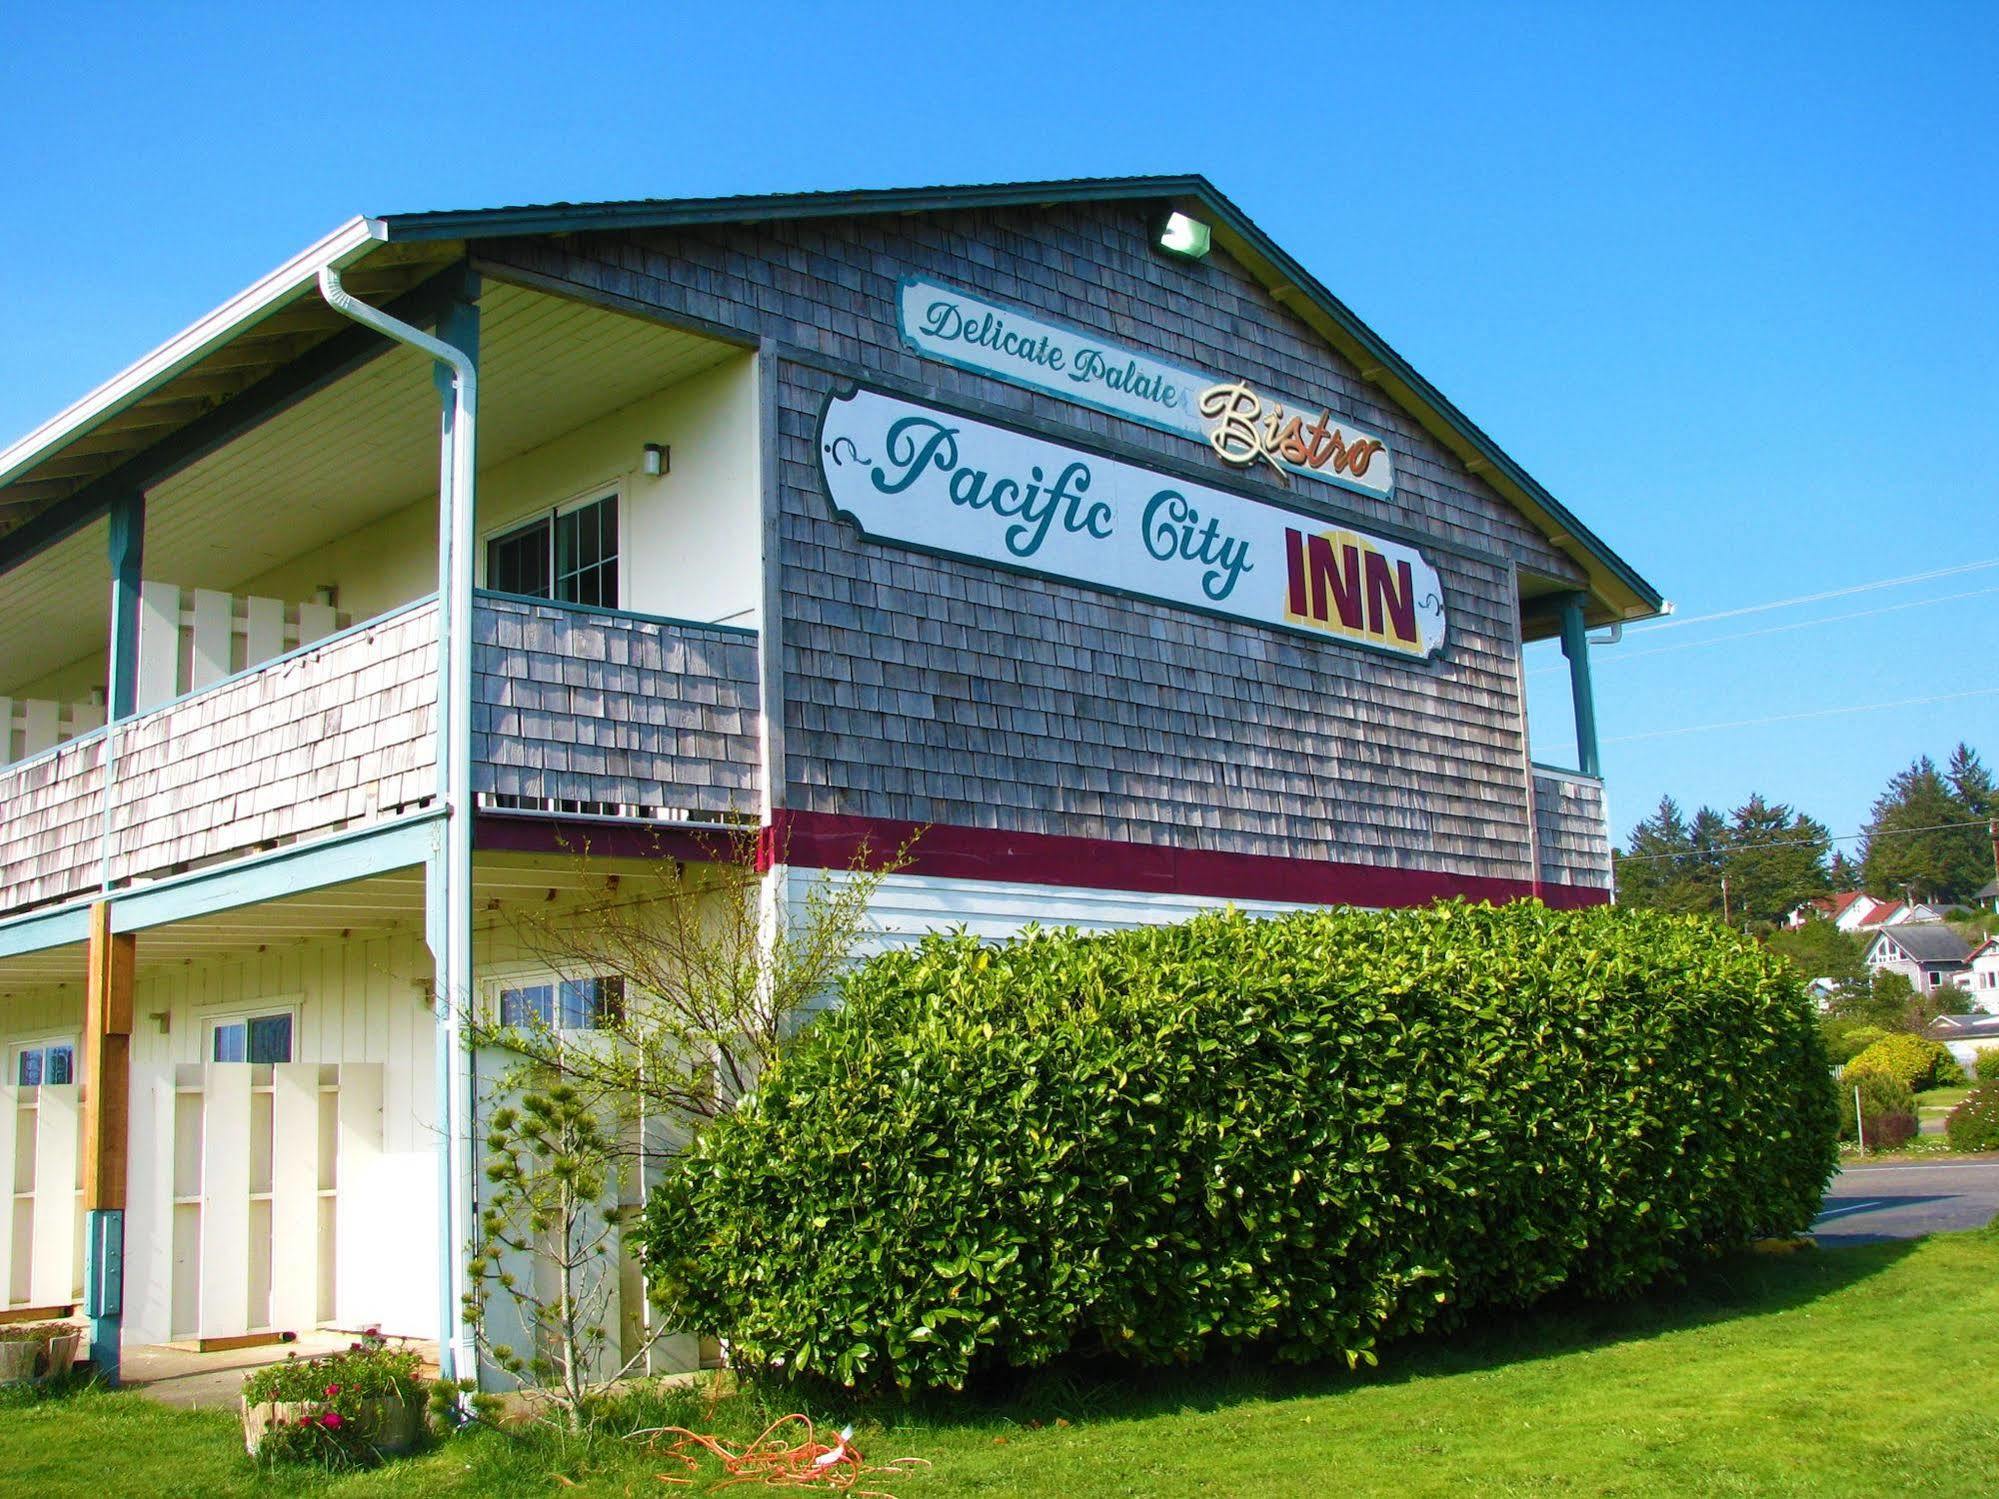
(107, 1097)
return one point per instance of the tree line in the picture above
(1926, 839)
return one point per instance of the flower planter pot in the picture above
(18, 1360)
(388, 1425)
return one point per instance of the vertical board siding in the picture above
(1572, 830)
(616, 711)
(932, 689)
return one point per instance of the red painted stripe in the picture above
(831, 840)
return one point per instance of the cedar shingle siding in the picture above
(937, 690)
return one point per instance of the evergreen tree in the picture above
(1657, 870)
(1925, 840)
(1971, 783)
(1844, 876)
(1774, 859)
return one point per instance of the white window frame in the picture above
(523, 978)
(242, 1015)
(617, 487)
(42, 1043)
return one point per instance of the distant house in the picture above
(1926, 953)
(1965, 1036)
(1983, 979)
(1857, 911)
(1988, 896)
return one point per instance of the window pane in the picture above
(586, 554)
(271, 1038)
(518, 561)
(61, 1065)
(230, 1042)
(29, 1072)
(528, 1007)
(587, 1004)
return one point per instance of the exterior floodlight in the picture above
(1184, 236)
(656, 460)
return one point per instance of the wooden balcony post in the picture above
(107, 1083)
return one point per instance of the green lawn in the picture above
(1856, 1371)
(1942, 1098)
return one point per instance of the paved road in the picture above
(1869, 1203)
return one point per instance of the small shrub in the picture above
(1890, 1132)
(1311, 1134)
(1985, 1064)
(1913, 1061)
(1974, 1124)
(1881, 1098)
(1845, 1040)
(334, 1403)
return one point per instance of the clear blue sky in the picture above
(1725, 285)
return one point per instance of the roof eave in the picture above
(343, 246)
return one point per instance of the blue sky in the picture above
(1724, 285)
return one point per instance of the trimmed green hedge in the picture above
(1317, 1133)
(1915, 1062)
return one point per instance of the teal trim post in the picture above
(128, 550)
(1575, 645)
(104, 1288)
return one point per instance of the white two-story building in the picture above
(1074, 524)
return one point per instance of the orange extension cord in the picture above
(774, 1463)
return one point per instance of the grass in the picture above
(1811, 1372)
(1942, 1098)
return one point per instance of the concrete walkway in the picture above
(179, 1376)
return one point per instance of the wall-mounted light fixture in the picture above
(659, 459)
(1180, 235)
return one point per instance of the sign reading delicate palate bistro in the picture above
(941, 481)
(1241, 424)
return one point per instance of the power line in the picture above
(1814, 598)
(1735, 848)
(1807, 624)
(1750, 723)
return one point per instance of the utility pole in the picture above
(1726, 920)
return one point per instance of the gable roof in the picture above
(1926, 942)
(52, 497)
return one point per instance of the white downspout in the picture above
(454, 747)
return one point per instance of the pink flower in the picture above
(331, 1420)
(332, 1390)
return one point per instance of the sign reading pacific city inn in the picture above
(1242, 424)
(942, 481)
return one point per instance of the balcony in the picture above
(1571, 829)
(576, 712)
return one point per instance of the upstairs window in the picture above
(41, 1062)
(562, 1004)
(569, 555)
